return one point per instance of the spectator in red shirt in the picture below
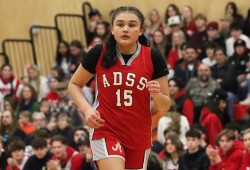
(64, 157)
(246, 154)
(212, 115)
(228, 156)
(52, 95)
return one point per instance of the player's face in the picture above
(126, 28)
(246, 140)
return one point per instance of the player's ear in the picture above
(142, 30)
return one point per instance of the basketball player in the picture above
(127, 73)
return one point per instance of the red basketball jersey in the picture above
(124, 101)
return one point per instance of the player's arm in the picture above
(78, 80)
(158, 89)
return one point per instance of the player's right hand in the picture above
(93, 118)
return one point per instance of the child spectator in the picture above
(25, 122)
(42, 155)
(195, 158)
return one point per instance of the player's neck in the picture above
(127, 49)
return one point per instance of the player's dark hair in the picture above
(109, 56)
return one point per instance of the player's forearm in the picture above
(162, 102)
(76, 94)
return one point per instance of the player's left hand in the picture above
(153, 87)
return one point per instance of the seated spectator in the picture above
(25, 122)
(63, 57)
(225, 73)
(225, 22)
(79, 132)
(17, 159)
(8, 83)
(187, 69)
(199, 37)
(58, 73)
(203, 132)
(155, 23)
(37, 81)
(45, 108)
(246, 154)
(195, 158)
(213, 34)
(65, 105)
(28, 100)
(172, 119)
(228, 155)
(63, 128)
(9, 103)
(232, 10)
(159, 42)
(212, 115)
(173, 149)
(95, 17)
(64, 157)
(10, 129)
(42, 155)
(242, 63)
(3, 155)
(236, 33)
(209, 52)
(199, 88)
(52, 96)
(101, 30)
(85, 150)
(39, 120)
(175, 54)
(183, 102)
(188, 21)
(77, 52)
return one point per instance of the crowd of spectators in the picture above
(209, 85)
